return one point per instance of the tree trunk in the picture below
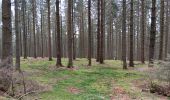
(89, 29)
(152, 32)
(42, 31)
(58, 35)
(7, 62)
(34, 14)
(70, 35)
(49, 32)
(167, 29)
(161, 31)
(98, 32)
(131, 63)
(124, 36)
(143, 32)
(17, 63)
(101, 58)
(24, 29)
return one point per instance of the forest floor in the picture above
(98, 82)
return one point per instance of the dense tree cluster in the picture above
(101, 29)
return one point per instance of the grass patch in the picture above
(94, 83)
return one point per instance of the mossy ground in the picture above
(83, 82)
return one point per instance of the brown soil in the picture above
(73, 90)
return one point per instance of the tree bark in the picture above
(131, 63)
(161, 31)
(58, 64)
(24, 28)
(101, 58)
(7, 59)
(143, 32)
(89, 30)
(98, 31)
(17, 63)
(124, 35)
(167, 28)
(152, 32)
(49, 31)
(34, 14)
(70, 35)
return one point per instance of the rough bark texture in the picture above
(124, 35)
(17, 63)
(7, 62)
(6, 34)
(34, 14)
(69, 34)
(42, 30)
(131, 63)
(161, 45)
(98, 32)
(152, 32)
(58, 35)
(24, 28)
(143, 32)
(89, 30)
(101, 58)
(49, 32)
(167, 28)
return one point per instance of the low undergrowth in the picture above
(98, 82)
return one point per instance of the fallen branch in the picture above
(19, 98)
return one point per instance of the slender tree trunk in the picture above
(58, 35)
(102, 34)
(161, 31)
(124, 36)
(70, 35)
(98, 32)
(152, 32)
(143, 32)
(89, 29)
(167, 28)
(17, 63)
(131, 63)
(42, 37)
(74, 33)
(24, 29)
(49, 31)
(34, 14)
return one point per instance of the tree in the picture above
(17, 63)
(34, 15)
(161, 31)
(42, 30)
(131, 63)
(101, 56)
(70, 35)
(124, 35)
(24, 28)
(49, 31)
(7, 62)
(6, 34)
(167, 28)
(152, 32)
(143, 32)
(89, 30)
(98, 31)
(58, 34)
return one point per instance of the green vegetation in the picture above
(99, 82)
(83, 82)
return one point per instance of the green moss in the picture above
(94, 83)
